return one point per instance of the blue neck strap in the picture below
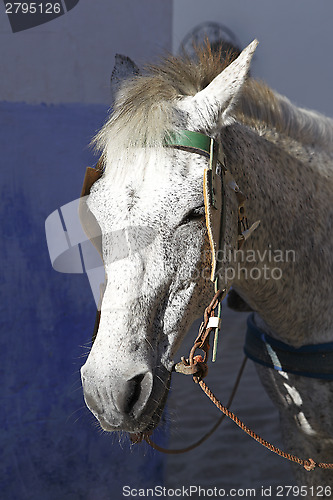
(315, 361)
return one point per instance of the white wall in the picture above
(296, 40)
(70, 59)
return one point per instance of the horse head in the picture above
(149, 205)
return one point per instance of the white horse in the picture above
(281, 158)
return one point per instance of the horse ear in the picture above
(218, 98)
(124, 68)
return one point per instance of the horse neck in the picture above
(290, 193)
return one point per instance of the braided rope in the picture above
(308, 465)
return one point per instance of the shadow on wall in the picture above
(50, 448)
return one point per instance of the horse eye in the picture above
(194, 214)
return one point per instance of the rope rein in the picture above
(308, 465)
(197, 367)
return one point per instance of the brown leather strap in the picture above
(91, 176)
(88, 221)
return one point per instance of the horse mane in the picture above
(144, 107)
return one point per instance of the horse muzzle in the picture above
(126, 403)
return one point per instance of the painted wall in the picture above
(296, 39)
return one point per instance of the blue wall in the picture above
(50, 447)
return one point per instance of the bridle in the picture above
(215, 180)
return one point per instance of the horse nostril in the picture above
(135, 394)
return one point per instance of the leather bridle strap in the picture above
(214, 200)
(88, 221)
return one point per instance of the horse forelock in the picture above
(145, 106)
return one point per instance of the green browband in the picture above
(187, 139)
